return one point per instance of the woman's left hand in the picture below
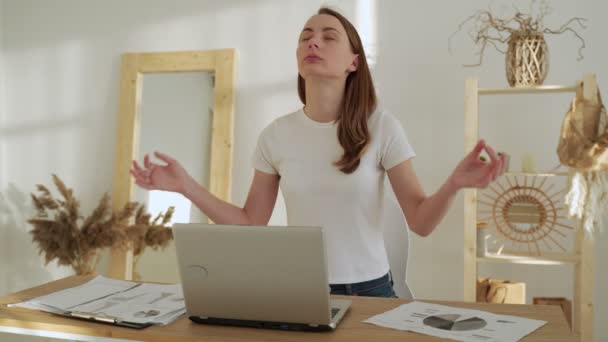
(472, 172)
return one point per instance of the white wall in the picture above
(61, 70)
(2, 101)
(11, 216)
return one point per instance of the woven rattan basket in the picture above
(527, 59)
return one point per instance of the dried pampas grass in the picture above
(64, 235)
(145, 232)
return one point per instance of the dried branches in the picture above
(63, 234)
(489, 30)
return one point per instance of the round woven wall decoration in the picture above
(527, 213)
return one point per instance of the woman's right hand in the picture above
(169, 177)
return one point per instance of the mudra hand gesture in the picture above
(473, 172)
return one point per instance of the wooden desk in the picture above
(350, 329)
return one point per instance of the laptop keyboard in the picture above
(334, 312)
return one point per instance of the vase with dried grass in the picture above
(527, 53)
(64, 235)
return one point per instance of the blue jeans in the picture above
(380, 287)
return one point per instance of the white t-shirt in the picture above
(347, 206)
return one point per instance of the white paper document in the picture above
(123, 301)
(456, 323)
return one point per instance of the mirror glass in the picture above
(176, 117)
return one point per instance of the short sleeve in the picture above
(395, 147)
(263, 156)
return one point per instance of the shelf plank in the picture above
(539, 174)
(550, 259)
(530, 90)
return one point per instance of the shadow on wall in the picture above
(20, 265)
(128, 18)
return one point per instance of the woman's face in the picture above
(324, 50)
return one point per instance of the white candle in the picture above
(528, 164)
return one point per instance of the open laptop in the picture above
(257, 276)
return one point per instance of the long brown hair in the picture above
(358, 103)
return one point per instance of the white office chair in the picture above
(396, 241)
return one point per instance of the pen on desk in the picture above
(94, 317)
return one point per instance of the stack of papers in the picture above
(456, 323)
(115, 301)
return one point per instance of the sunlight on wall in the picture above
(366, 23)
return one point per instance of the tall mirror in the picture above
(179, 103)
(176, 116)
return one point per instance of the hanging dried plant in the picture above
(523, 36)
(491, 30)
(64, 235)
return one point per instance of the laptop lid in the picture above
(260, 273)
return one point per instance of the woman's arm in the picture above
(258, 206)
(423, 213)
(173, 177)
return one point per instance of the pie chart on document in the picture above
(454, 322)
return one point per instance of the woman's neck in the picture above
(323, 99)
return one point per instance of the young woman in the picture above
(330, 159)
